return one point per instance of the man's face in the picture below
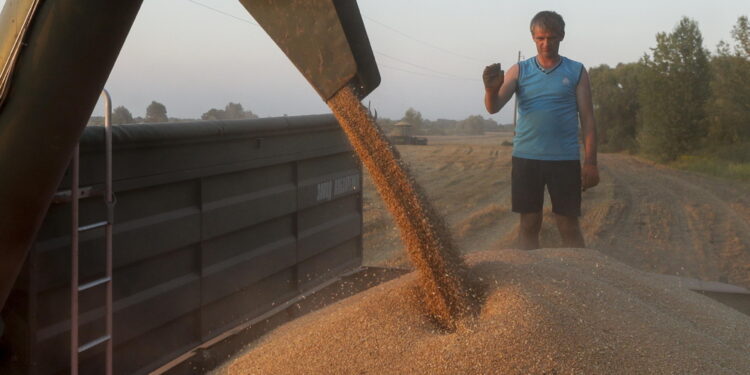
(547, 42)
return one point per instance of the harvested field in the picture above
(551, 311)
(645, 215)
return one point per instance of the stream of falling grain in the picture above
(442, 273)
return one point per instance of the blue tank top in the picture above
(547, 126)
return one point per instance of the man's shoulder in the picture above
(571, 61)
(526, 62)
(573, 68)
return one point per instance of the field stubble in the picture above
(647, 216)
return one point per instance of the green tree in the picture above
(232, 111)
(490, 125)
(121, 115)
(156, 112)
(443, 126)
(741, 35)
(729, 106)
(673, 93)
(385, 124)
(472, 125)
(414, 117)
(615, 97)
(213, 114)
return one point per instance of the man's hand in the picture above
(493, 77)
(589, 176)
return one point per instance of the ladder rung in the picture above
(92, 344)
(92, 226)
(94, 283)
(65, 196)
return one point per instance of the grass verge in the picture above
(714, 166)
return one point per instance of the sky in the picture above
(193, 55)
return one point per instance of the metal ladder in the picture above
(75, 288)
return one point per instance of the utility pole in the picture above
(515, 103)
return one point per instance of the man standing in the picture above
(553, 92)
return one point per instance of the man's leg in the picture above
(527, 191)
(564, 186)
(528, 232)
(570, 231)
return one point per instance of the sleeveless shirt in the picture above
(548, 125)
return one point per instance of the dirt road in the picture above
(651, 217)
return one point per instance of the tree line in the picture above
(679, 98)
(157, 112)
(472, 125)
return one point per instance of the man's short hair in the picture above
(548, 20)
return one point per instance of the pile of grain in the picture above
(551, 311)
(444, 292)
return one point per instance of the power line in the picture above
(223, 13)
(437, 74)
(417, 73)
(423, 42)
(447, 75)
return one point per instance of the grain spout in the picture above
(442, 273)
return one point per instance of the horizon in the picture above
(430, 53)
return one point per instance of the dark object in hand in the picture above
(493, 76)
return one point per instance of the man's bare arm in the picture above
(590, 171)
(496, 97)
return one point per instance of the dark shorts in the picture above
(563, 181)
